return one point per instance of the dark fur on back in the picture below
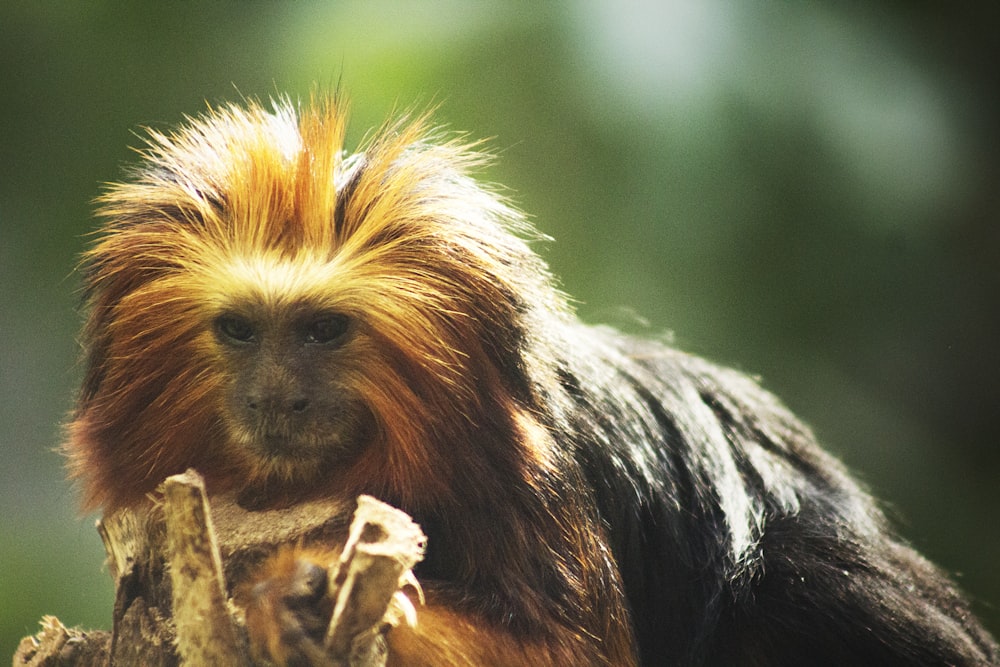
(739, 541)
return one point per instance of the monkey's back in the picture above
(738, 539)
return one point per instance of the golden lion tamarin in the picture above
(295, 322)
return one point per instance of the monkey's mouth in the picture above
(292, 451)
(271, 447)
(282, 468)
(281, 445)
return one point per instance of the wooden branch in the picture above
(206, 632)
(176, 565)
(382, 547)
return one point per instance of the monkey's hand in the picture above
(320, 606)
(288, 609)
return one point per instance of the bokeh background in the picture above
(807, 191)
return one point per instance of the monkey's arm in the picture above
(444, 637)
(287, 612)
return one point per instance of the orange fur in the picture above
(442, 638)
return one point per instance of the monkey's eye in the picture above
(326, 329)
(235, 329)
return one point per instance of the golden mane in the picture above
(265, 205)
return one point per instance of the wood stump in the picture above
(176, 568)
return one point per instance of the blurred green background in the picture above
(807, 191)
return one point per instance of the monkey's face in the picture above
(289, 407)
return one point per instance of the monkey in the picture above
(296, 321)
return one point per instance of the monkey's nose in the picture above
(270, 404)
